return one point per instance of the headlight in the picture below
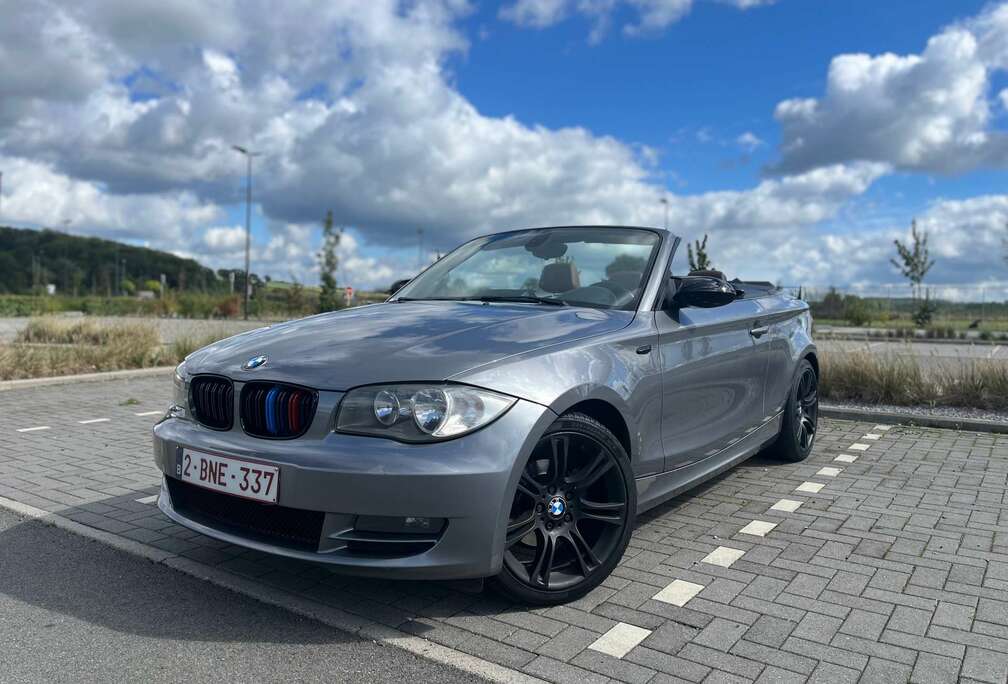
(180, 390)
(419, 413)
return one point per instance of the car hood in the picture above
(399, 342)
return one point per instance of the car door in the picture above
(713, 368)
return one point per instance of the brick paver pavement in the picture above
(882, 558)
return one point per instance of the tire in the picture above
(801, 417)
(571, 515)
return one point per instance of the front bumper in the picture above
(468, 481)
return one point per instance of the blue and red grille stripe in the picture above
(275, 410)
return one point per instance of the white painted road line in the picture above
(148, 499)
(786, 506)
(995, 350)
(147, 413)
(810, 487)
(34, 429)
(93, 420)
(846, 458)
(620, 640)
(758, 528)
(883, 428)
(859, 447)
(678, 593)
(723, 556)
(828, 471)
(872, 436)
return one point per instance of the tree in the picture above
(914, 263)
(328, 261)
(128, 287)
(295, 297)
(698, 260)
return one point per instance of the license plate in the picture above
(247, 479)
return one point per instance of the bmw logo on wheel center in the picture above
(255, 362)
(557, 506)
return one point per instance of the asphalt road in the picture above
(74, 610)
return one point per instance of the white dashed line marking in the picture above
(829, 471)
(758, 528)
(872, 436)
(723, 556)
(619, 640)
(148, 499)
(147, 413)
(34, 429)
(810, 487)
(846, 458)
(786, 505)
(859, 447)
(883, 428)
(678, 593)
(93, 420)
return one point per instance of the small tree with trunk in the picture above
(698, 260)
(914, 263)
(328, 261)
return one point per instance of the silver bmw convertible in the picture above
(506, 414)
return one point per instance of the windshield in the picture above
(597, 267)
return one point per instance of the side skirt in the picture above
(654, 490)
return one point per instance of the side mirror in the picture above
(704, 292)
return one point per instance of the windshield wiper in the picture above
(532, 299)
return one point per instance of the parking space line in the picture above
(846, 458)
(93, 420)
(883, 428)
(995, 350)
(148, 499)
(786, 506)
(34, 429)
(829, 471)
(859, 447)
(758, 528)
(147, 413)
(620, 639)
(678, 592)
(723, 556)
(810, 487)
(872, 436)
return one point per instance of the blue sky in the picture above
(816, 129)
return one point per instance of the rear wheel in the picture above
(571, 516)
(801, 417)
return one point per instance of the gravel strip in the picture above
(939, 411)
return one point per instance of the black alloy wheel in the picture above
(801, 416)
(572, 514)
(806, 409)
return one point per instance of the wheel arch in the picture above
(610, 417)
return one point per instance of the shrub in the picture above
(856, 311)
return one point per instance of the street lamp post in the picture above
(248, 217)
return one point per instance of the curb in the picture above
(84, 377)
(890, 418)
(360, 627)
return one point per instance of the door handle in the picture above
(759, 331)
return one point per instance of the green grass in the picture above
(957, 324)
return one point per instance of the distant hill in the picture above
(88, 265)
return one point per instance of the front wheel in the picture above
(801, 417)
(571, 516)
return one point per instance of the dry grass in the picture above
(901, 380)
(47, 347)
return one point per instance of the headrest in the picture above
(628, 280)
(710, 274)
(559, 277)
